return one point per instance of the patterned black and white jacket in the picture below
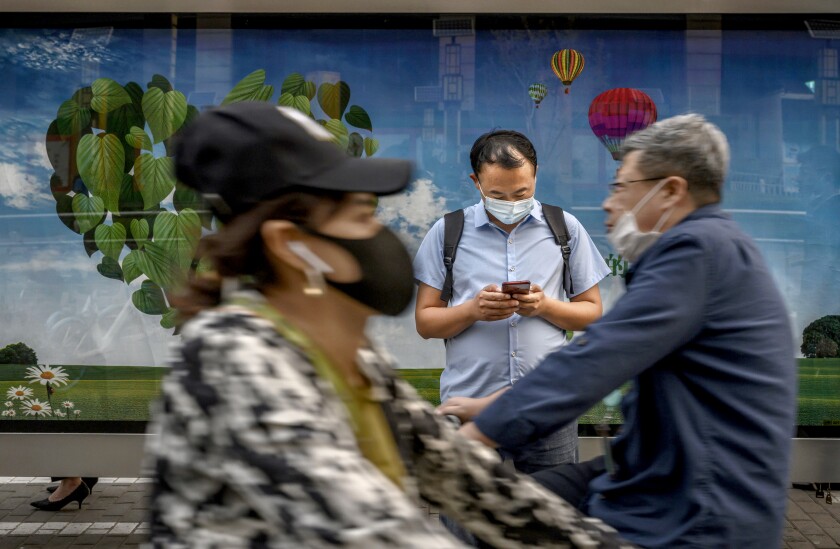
(254, 449)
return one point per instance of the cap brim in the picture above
(379, 176)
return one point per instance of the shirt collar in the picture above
(481, 218)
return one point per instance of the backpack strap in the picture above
(557, 223)
(453, 226)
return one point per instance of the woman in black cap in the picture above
(281, 425)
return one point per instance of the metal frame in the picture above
(121, 455)
(427, 6)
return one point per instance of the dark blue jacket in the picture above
(703, 334)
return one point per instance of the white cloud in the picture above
(21, 190)
(413, 213)
(52, 260)
(38, 151)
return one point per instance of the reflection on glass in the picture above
(93, 228)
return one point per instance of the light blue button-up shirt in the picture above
(489, 356)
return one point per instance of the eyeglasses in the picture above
(616, 186)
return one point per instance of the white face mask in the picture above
(506, 212)
(625, 236)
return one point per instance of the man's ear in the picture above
(676, 189)
(474, 180)
(276, 235)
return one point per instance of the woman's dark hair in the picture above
(236, 250)
(507, 148)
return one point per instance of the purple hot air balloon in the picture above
(617, 113)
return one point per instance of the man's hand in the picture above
(531, 304)
(467, 408)
(470, 431)
(491, 304)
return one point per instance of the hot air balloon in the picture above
(567, 65)
(617, 113)
(537, 92)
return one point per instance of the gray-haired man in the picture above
(702, 332)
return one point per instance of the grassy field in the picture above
(819, 391)
(124, 392)
(99, 392)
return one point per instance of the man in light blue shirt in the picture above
(493, 339)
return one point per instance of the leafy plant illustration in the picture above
(111, 148)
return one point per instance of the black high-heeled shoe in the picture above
(90, 481)
(78, 495)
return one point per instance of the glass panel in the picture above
(90, 104)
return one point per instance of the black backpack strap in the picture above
(557, 223)
(453, 226)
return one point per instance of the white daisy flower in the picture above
(35, 407)
(18, 393)
(9, 413)
(67, 404)
(59, 413)
(9, 404)
(77, 412)
(47, 374)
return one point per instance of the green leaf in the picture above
(286, 100)
(89, 211)
(118, 123)
(64, 209)
(130, 268)
(72, 119)
(139, 230)
(333, 98)
(130, 198)
(165, 112)
(339, 132)
(295, 84)
(298, 102)
(250, 88)
(371, 146)
(154, 177)
(302, 104)
(138, 139)
(149, 299)
(108, 95)
(110, 268)
(110, 239)
(100, 159)
(160, 82)
(179, 234)
(58, 187)
(158, 264)
(58, 151)
(359, 118)
(265, 93)
(135, 92)
(185, 197)
(89, 241)
(169, 318)
(83, 96)
(356, 145)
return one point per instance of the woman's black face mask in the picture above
(387, 282)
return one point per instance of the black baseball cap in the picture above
(240, 154)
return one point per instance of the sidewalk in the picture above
(114, 515)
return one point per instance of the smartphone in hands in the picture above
(516, 287)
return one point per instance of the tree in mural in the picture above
(821, 338)
(18, 353)
(111, 148)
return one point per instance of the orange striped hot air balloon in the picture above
(567, 65)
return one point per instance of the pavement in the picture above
(114, 515)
